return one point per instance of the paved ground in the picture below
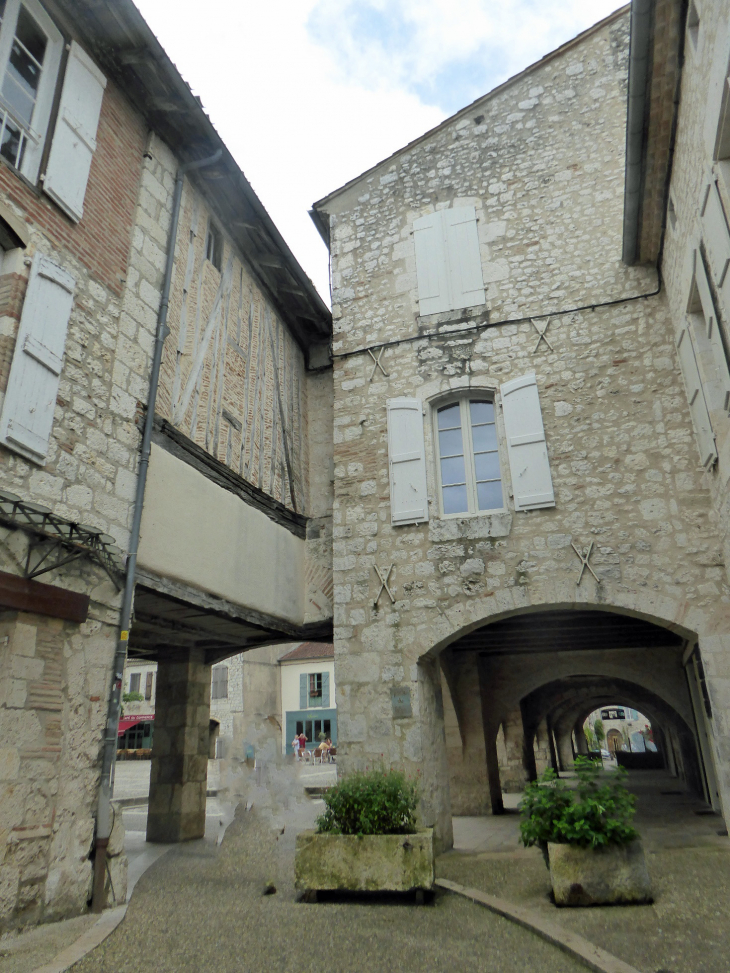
(201, 908)
(685, 931)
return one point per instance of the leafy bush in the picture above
(374, 802)
(132, 697)
(597, 813)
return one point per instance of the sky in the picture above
(307, 94)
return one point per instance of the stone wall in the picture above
(542, 161)
(700, 111)
(54, 701)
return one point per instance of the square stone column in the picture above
(179, 772)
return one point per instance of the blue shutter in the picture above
(325, 689)
(303, 690)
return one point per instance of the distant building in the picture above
(308, 694)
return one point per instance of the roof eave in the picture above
(121, 41)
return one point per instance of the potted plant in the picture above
(367, 839)
(590, 845)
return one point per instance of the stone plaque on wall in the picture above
(400, 700)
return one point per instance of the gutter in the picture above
(642, 23)
(104, 817)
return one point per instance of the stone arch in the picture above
(685, 625)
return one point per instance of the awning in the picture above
(128, 721)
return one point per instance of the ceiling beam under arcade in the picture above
(566, 631)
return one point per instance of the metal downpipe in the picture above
(642, 13)
(104, 819)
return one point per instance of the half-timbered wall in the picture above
(232, 375)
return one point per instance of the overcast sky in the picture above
(308, 94)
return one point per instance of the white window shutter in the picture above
(696, 398)
(407, 462)
(532, 484)
(715, 233)
(466, 282)
(712, 329)
(74, 140)
(431, 270)
(30, 400)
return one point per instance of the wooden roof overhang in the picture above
(117, 36)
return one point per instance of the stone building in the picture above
(529, 517)
(94, 146)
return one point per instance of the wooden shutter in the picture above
(74, 140)
(466, 282)
(448, 261)
(148, 685)
(325, 689)
(715, 233)
(532, 484)
(431, 269)
(407, 462)
(712, 330)
(303, 690)
(696, 398)
(30, 400)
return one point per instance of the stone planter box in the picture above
(363, 863)
(616, 875)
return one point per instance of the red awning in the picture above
(127, 721)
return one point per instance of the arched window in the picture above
(470, 477)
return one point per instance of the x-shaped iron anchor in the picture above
(584, 562)
(383, 584)
(378, 364)
(543, 335)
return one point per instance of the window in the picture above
(134, 682)
(708, 334)
(30, 54)
(214, 246)
(468, 454)
(313, 729)
(314, 690)
(613, 714)
(219, 684)
(448, 260)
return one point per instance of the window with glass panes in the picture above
(468, 457)
(26, 77)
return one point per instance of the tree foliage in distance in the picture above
(371, 802)
(597, 813)
(599, 732)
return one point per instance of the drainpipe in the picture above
(104, 819)
(639, 72)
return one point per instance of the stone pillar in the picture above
(551, 747)
(581, 744)
(564, 744)
(178, 777)
(465, 735)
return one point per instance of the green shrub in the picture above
(374, 802)
(132, 697)
(597, 813)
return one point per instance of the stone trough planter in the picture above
(616, 875)
(363, 863)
